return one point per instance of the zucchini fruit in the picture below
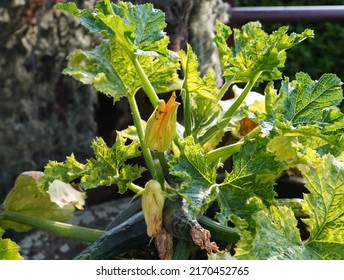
(127, 233)
(131, 234)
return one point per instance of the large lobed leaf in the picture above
(325, 206)
(26, 198)
(135, 32)
(255, 51)
(305, 114)
(276, 235)
(134, 26)
(276, 238)
(221, 37)
(197, 176)
(254, 174)
(305, 99)
(108, 167)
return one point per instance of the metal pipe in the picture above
(290, 14)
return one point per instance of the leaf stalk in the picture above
(146, 84)
(59, 228)
(140, 133)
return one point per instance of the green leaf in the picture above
(134, 26)
(285, 148)
(305, 114)
(25, 197)
(289, 143)
(258, 52)
(193, 83)
(325, 206)
(197, 176)
(254, 174)
(109, 69)
(277, 237)
(66, 171)
(332, 121)
(203, 92)
(222, 34)
(162, 71)
(306, 99)
(148, 25)
(9, 250)
(134, 33)
(103, 68)
(270, 97)
(108, 167)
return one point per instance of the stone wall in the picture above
(43, 114)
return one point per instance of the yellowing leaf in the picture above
(8, 249)
(26, 198)
(277, 237)
(325, 206)
(108, 167)
(256, 51)
(134, 33)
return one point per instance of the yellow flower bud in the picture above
(153, 200)
(161, 126)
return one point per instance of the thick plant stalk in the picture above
(140, 133)
(146, 84)
(59, 228)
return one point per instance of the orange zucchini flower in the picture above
(161, 126)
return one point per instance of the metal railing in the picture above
(283, 14)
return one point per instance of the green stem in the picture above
(252, 133)
(59, 228)
(135, 188)
(160, 174)
(231, 110)
(223, 90)
(219, 231)
(226, 151)
(211, 132)
(163, 163)
(146, 84)
(198, 126)
(140, 133)
(325, 138)
(187, 113)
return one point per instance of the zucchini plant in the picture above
(191, 206)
